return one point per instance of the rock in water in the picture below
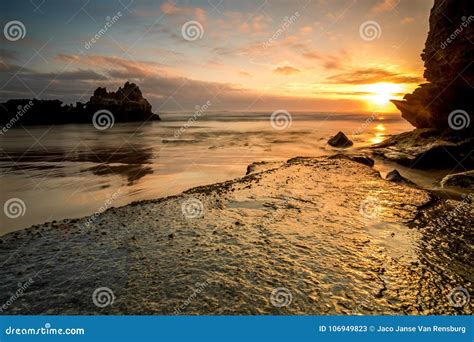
(340, 140)
(127, 103)
(396, 177)
(462, 180)
(448, 57)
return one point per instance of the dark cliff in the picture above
(447, 101)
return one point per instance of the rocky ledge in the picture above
(427, 149)
(311, 236)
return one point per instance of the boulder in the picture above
(340, 140)
(395, 177)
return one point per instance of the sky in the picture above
(261, 55)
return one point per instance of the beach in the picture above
(317, 236)
(71, 171)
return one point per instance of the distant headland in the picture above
(127, 104)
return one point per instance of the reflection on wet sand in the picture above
(77, 167)
(330, 231)
(128, 162)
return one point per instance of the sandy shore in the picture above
(310, 236)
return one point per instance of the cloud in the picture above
(384, 6)
(7, 67)
(286, 70)
(165, 92)
(75, 75)
(116, 67)
(171, 10)
(407, 20)
(328, 61)
(373, 75)
(244, 73)
(7, 54)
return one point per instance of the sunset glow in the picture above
(249, 57)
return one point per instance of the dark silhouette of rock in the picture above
(340, 140)
(448, 57)
(127, 104)
(427, 148)
(396, 177)
(462, 180)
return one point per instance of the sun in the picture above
(380, 94)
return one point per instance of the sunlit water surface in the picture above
(75, 170)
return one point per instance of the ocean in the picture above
(72, 171)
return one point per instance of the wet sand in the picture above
(77, 167)
(328, 236)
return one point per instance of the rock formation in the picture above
(462, 180)
(128, 99)
(449, 69)
(340, 140)
(395, 177)
(126, 104)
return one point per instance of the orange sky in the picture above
(341, 55)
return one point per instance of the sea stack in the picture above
(446, 102)
(127, 102)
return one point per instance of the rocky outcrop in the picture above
(395, 177)
(427, 149)
(126, 104)
(446, 101)
(127, 101)
(460, 180)
(340, 140)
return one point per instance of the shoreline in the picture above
(281, 216)
(381, 165)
